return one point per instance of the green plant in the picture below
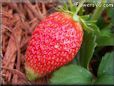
(75, 74)
(97, 34)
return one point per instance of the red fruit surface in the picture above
(54, 43)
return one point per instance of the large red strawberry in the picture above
(54, 43)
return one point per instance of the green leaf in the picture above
(105, 41)
(106, 65)
(65, 6)
(106, 32)
(87, 49)
(105, 79)
(89, 25)
(84, 25)
(85, 17)
(94, 27)
(105, 38)
(71, 74)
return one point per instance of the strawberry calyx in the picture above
(84, 20)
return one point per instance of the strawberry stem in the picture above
(80, 5)
(98, 11)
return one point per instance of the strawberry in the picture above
(54, 43)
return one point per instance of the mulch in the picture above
(18, 22)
